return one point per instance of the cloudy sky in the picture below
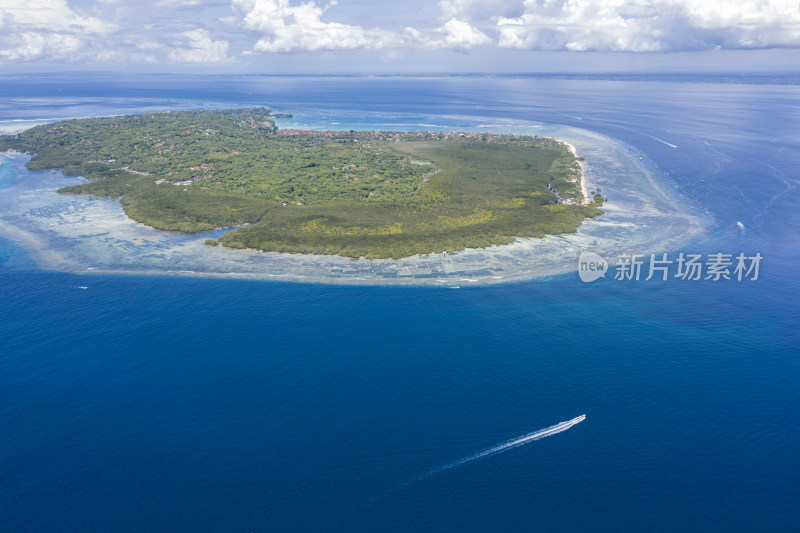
(362, 36)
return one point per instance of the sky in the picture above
(392, 36)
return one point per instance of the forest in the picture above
(351, 193)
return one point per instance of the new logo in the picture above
(591, 267)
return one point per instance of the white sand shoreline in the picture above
(584, 189)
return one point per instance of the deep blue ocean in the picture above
(147, 403)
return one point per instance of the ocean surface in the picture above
(158, 403)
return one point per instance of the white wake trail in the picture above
(513, 443)
(661, 140)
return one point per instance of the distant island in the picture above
(351, 193)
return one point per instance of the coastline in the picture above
(82, 235)
(584, 188)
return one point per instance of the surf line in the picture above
(513, 443)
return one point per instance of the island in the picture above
(370, 194)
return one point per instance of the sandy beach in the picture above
(584, 189)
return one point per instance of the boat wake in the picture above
(513, 443)
(661, 140)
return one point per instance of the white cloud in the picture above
(147, 45)
(49, 15)
(652, 25)
(456, 34)
(109, 55)
(201, 48)
(178, 3)
(59, 30)
(36, 29)
(481, 10)
(157, 3)
(32, 45)
(48, 30)
(290, 28)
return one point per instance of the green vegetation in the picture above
(370, 194)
